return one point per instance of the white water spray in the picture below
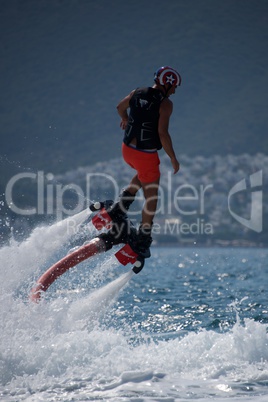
(19, 260)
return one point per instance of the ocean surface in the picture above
(191, 326)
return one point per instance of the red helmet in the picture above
(167, 75)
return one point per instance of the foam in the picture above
(63, 346)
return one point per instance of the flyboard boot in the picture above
(113, 216)
(109, 212)
(142, 241)
(137, 248)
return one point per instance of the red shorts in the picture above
(145, 163)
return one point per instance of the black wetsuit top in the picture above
(143, 118)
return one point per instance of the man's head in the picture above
(167, 76)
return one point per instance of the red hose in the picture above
(95, 246)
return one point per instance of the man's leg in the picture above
(129, 193)
(126, 198)
(134, 185)
(144, 239)
(150, 191)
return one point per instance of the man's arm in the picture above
(165, 112)
(122, 107)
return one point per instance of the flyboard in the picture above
(120, 230)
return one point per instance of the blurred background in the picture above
(66, 64)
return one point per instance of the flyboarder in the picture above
(145, 115)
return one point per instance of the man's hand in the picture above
(175, 164)
(123, 123)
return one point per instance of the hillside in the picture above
(65, 65)
(196, 206)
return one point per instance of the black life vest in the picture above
(143, 118)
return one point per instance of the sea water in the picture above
(192, 325)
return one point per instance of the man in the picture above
(145, 115)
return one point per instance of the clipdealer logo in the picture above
(255, 222)
(186, 199)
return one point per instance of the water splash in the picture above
(61, 349)
(19, 260)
